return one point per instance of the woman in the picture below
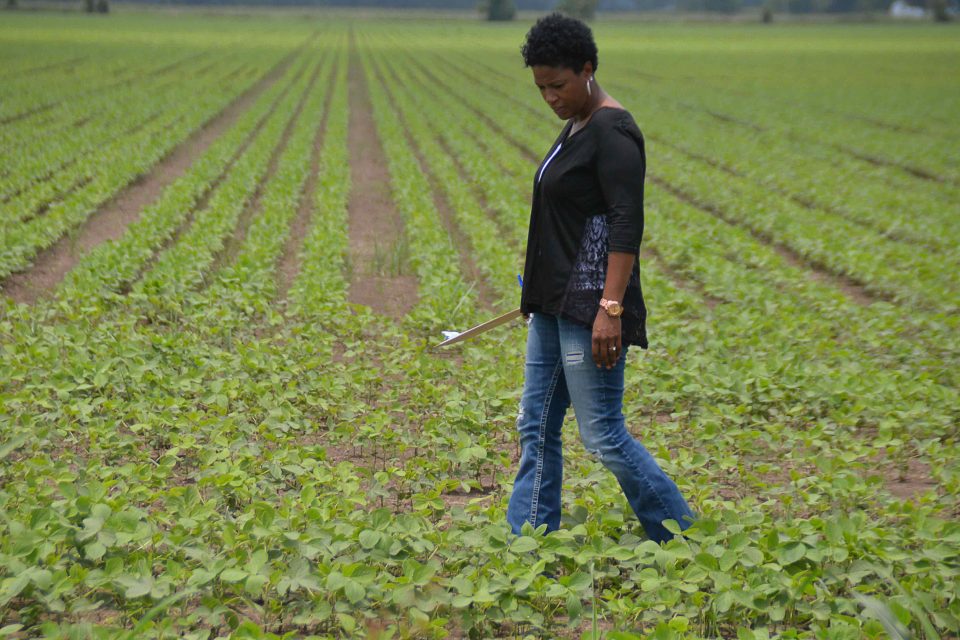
(581, 286)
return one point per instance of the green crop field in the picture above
(227, 244)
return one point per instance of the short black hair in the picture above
(557, 40)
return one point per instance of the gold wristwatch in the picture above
(613, 308)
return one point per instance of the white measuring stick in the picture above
(480, 328)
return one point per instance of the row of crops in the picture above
(82, 129)
(197, 443)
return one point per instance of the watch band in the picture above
(613, 308)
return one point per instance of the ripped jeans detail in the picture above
(573, 356)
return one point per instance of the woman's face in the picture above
(563, 89)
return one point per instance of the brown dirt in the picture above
(907, 480)
(477, 191)
(472, 272)
(908, 489)
(236, 240)
(112, 219)
(212, 187)
(289, 265)
(374, 222)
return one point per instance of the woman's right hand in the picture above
(607, 340)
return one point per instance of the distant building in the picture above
(901, 9)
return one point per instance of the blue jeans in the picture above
(560, 370)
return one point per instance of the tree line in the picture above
(501, 10)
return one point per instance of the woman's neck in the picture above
(592, 104)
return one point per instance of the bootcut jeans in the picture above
(559, 371)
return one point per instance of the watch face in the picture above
(613, 309)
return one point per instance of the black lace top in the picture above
(587, 200)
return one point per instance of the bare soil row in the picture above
(113, 218)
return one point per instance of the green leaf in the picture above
(94, 551)
(894, 628)
(422, 574)
(347, 622)
(524, 544)
(92, 525)
(791, 553)
(621, 553)
(723, 602)
(580, 581)
(255, 583)
(258, 559)
(156, 610)
(369, 538)
(354, 591)
(728, 560)
(11, 587)
(672, 526)
(335, 580)
(136, 587)
(418, 617)
(462, 584)
(233, 575)
(10, 446)
(751, 557)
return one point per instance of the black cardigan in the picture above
(587, 200)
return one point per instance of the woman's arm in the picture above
(607, 330)
(621, 169)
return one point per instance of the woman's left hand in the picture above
(607, 345)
